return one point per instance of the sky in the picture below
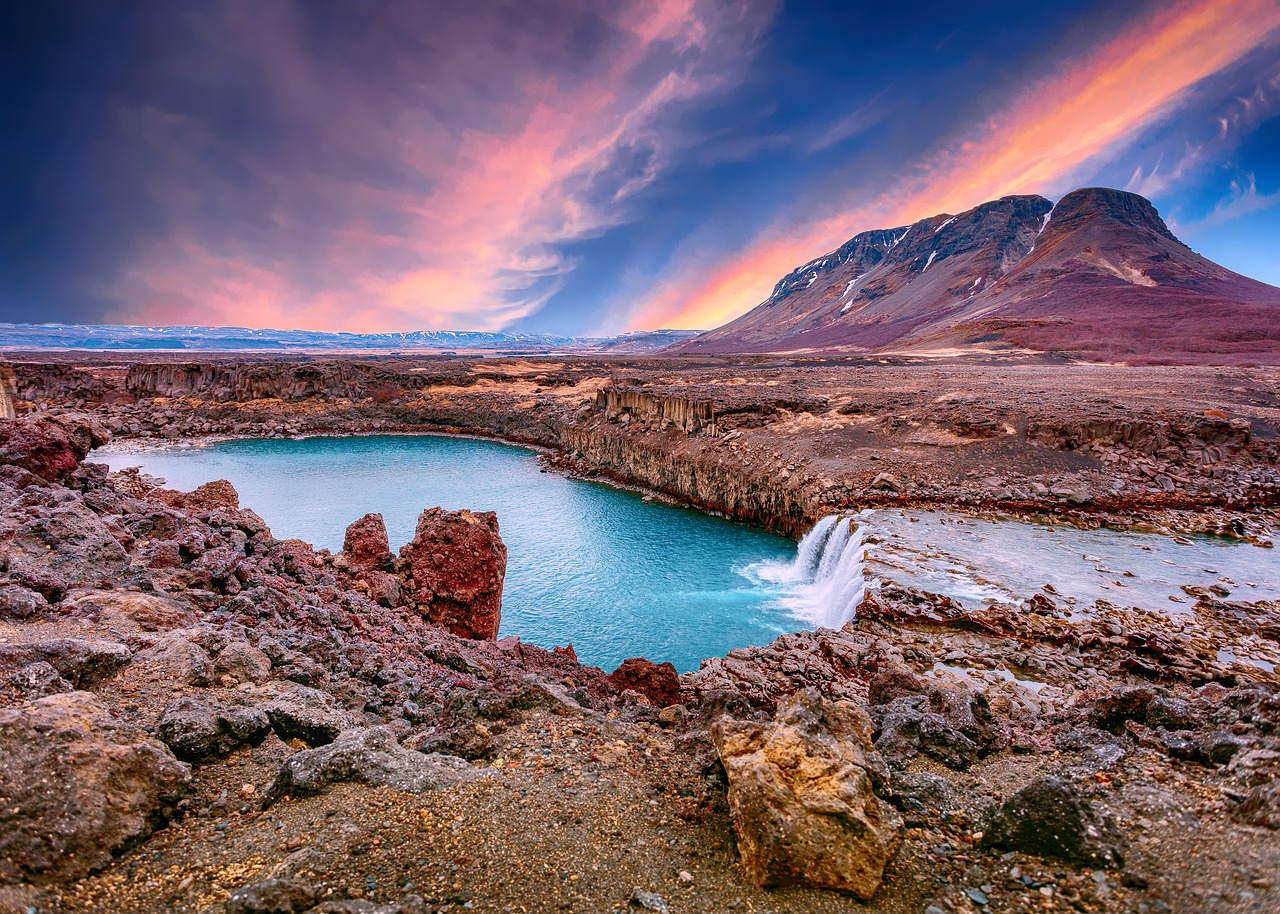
(579, 168)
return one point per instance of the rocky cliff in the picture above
(8, 392)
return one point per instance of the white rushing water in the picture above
(827, 580)
(978, 561)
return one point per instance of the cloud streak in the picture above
(1078, 115)
(425, 171)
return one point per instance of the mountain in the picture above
(1098, 275)
(239, 339)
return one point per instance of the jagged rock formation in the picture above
(1098, 274)
(453, 569)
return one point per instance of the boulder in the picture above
(75, 788)
(366, 546)
(658, 682)
(49, 447)
(453, 571)
(1052, 818)
(80, 661)
(20, 602)
(241, 661)
(803, 796)
(273, 896)
(307, 714)
(195, 730)
(369, 756)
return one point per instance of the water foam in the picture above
(826, 581)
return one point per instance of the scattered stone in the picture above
(1261, 806)
(20, 602)
(802, 793)
(649, 901)
(273, 896)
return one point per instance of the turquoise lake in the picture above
(613, 574)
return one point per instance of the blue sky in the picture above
(550, 167)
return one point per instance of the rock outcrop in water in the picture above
(453, 570)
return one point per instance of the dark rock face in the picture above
(196, 731)
(657, 682)
(1051, 818)
(453, 571)
(370, 756)
(366, 546)
(803, 792)
(74, 789)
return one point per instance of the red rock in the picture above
(218, 495)
(48, 447)
(657, 682)
(366, 545)
(453, 570)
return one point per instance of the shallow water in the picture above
(978, 561)
(617, 576)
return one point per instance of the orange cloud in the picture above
(1045, 137)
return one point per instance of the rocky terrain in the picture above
(1097, 275)
(196, 716)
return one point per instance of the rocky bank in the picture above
(197, 716)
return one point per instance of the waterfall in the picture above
(825, 582)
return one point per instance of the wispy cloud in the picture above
(1242, 199)
(1043, 139)
(426, 172)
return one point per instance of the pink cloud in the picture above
(436, 193)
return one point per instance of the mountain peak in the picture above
(1098, 274)
(1133, 210)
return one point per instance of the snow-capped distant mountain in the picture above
(240, 339)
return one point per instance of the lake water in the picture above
(602, 568)
(621, 577)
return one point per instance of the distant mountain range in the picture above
(1098, 275)
(238, 339)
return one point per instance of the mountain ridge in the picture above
(1097, 275)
